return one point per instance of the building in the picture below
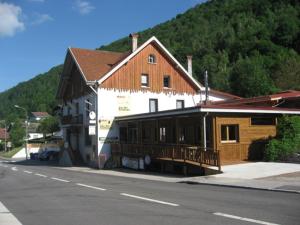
(38, 116)
(98, 86)
(143, 106)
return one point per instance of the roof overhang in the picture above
(203, 109)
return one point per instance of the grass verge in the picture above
(10, 153)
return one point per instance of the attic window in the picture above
(151, 59)
(166, 81)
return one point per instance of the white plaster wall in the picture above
(110, 101)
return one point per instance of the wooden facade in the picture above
(76, 86)
(128, 77)
(250, 141)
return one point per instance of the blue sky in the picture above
(34, 34)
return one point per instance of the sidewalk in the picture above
(260, 175)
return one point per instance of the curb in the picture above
(239, 186)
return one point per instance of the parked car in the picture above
(48, 155)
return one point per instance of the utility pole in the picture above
(26, 128)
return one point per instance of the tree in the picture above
(49, 125)
(17, 133)
(249, 78)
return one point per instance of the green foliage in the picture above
(49, 125)
(249, 78)
(17, 134)
(253, 43)
(259, 38)
(10, 153)
(37, 94)
(287, 141)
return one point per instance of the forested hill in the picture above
(37, 94)
(249, 47)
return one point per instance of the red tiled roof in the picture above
(286, 94)
(247, 107)
(95, 63)
(40, 114)
(231, 96)
(268, 99)
(2, 134)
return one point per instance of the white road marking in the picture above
(244, 219)
(149, 199)
(6, 217)
(14, 168)
(40, 175)
(58, 179)
(26, 171)
(93, 187)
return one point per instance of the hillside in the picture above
(249, 48)
(37, 94)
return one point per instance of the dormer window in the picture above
(151, 59)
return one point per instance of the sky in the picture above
(35, 34)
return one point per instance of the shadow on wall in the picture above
(257, 149)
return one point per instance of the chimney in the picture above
(189, 62)
(134, 40)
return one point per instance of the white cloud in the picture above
(41, 18)
(83, 7)
(10, 21)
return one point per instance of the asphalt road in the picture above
(42, 195)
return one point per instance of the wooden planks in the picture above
(250, 142)
(128, 77)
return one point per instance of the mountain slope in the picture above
(37, 94)
(249, 48)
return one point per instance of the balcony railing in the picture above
(72, 120)
(180, 153)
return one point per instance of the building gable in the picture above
(128, 76)
(76, 85)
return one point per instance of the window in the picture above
(182, 134)
(145, 80)
(166, 81)
(88, 139)
(263, 121)
(151, 59)
(179, 104)
(153, 105)
(229, 133)
(123, 134)
(132, 133)
(77, 108)
(162, 134)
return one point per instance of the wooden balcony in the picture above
(180, 153)
(72, 120)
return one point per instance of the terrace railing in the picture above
(181, 153)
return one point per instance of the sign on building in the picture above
(92, 130)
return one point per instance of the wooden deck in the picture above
(193, 155)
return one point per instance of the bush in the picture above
(287, 141)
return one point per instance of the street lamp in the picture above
(26, 127)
